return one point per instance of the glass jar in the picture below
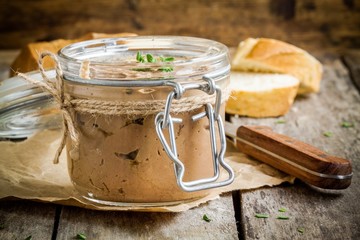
(143, 110)
(25, 109)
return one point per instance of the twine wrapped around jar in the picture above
(68, 105)
(56, 90)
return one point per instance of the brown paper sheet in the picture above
(27, 172)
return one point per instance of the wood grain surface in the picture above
(311, 24)
(321, 214)
(137, 225)
(352, 61)
(318, 214)
(22, 219)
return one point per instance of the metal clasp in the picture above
(164, 120)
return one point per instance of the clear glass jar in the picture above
(26, 109)
(122, 156)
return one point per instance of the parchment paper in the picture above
(27, 172)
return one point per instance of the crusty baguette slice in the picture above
(274, 56)
(261, 94)
(29, 55)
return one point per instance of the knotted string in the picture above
(56, 89)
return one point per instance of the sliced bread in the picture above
(274, 56)
(27, 60)
(261, 94)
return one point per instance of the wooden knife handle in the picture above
(296, 158)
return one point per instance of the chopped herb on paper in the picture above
(327, 134)
(261, 215)
(301, 230)
(80, 236)
(280, 121)
(282, 210)
(347, 124)
(282, 217)
(28, 238)
(205, 218)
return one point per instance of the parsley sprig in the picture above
(328, 134)
(139, 57)
(346, 124)
(261, 215)
(281, 216)
(80, 236)
(206, 218)
(149, 58)
(280, 121)
(282, 209)
(301, 229)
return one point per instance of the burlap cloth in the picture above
(27, 172)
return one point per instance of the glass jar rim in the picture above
(193, 58)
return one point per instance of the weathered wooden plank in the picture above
(303, 23)
(322, 214)
(352, 61)
(332, 215)
(6, 59)
(21, 219)
(142, 225)
(319, 215)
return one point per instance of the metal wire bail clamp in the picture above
(164, 120)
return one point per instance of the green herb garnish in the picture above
(301, 230)
(281, 121)
(282, 210)
(2, 226)
(166, 69)
(166, 59)
(142, 69)
(347, 124)
(80, 236)
(139, 57)
(205, 218)
(283, 217)
(28, 238)
(327, 134)
(149, 58)
(261, 215)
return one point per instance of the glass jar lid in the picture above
(150, 60)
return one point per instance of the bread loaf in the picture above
(261, 94)
(29, 55)
(274, 56)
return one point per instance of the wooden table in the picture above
(319, 214)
